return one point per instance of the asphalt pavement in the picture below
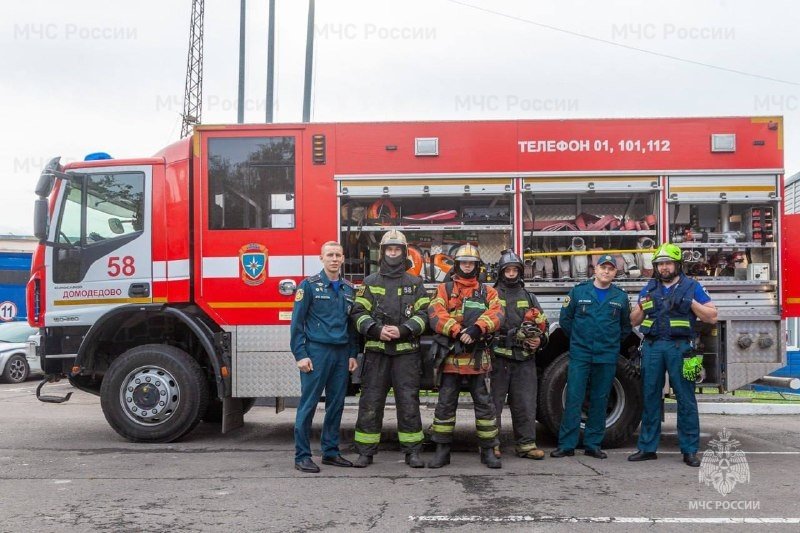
(62, 468)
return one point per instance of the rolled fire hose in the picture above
(579, 263)
(645, 261)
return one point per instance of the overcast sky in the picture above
(90, 75)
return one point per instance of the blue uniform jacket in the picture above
(321, 314)
(595, 330)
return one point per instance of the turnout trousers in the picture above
(381, 372)
(657, 357)
(330, 375)
(517, 381)
(599, 377)
(444, 417)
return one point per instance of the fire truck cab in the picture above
(165, 284)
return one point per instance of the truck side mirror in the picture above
(46, 179)
(40, 219)
(115, 225)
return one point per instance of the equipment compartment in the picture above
(564, 234)
(435, 227)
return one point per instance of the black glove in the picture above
(374, 331)
(405, 332)
(474, 332)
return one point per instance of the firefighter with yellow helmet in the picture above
(464, 314)
(669, 306)
(391, 312)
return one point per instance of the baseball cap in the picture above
(606, 258)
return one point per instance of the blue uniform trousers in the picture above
(599, 377)
(658, 356)
(330, 374)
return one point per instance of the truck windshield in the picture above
(113, 205)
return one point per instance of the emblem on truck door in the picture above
(253, 263)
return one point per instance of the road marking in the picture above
(61, 481)
(606, 519)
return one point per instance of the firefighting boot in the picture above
(414, 460)
(441, 457)
(488, 458)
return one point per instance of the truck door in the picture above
(101, 244)
(250, 227)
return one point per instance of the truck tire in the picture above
(213, 414)
(16, 369)
(154, 393)
(624, 411)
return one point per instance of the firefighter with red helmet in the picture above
(391, 312)
(521, 335)
(464, 314)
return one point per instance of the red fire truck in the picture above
(165, 284)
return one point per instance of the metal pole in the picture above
(309, 63)
(270, 59)
(240, 110)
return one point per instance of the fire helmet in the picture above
(467, 252)
(507, 259)
(667, 252)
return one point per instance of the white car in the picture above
(15, 363)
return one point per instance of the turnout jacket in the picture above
(391, 301)
(516, 301)
(467, 303)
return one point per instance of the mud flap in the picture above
(232, 414)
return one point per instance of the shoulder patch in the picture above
(298, 295)
(567, 299)
(361, 290)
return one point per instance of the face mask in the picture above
(394, 261)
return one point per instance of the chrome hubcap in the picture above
(149, 395)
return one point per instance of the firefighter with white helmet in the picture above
(669, 306)
(521, 335)
(391, 312)
(464, 314)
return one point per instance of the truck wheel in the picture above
(154, 393)
(624, 411)
(214, 411)
(16, 370)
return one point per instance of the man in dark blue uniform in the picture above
(596, 319)
(325, 346)
(669, 306)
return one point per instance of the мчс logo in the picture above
(253, 263)
(723, 466)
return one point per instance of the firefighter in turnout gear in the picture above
(514, 348)
(669, 306)
(595, 316)
(463, 314)
(391, 312)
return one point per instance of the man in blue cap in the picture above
(595, 316)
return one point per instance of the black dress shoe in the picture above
(558, 453)
(691, 459)
(307, 465)
(596, 453)
(643, 456)
(336, 461)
